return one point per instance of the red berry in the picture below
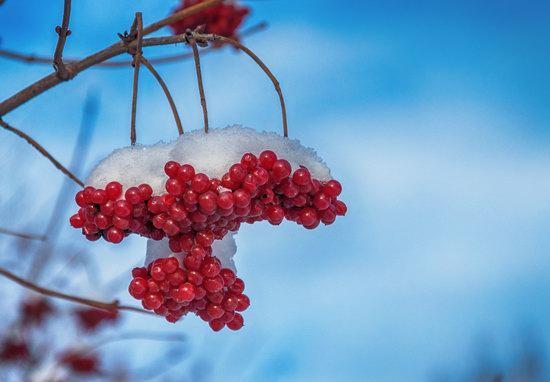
(76, 221)
(98, 196)
(177, 278)
(236, 323)
(195, 277)
(237, 287)
(186, 173)
(215, 311)
(214, 284)
(301, 176)
(241, 197)
(133, 195)
(208, 201)
(243, 302)
(145, 191)
(138, 286)
(80, 199)
(152, 301)
(174, 187)
(228, 276)
(267, 159)
(185, 292)
(200, 183)
(275, 214)
(321, 201)
(333, 188)
(230, 303)
(281, 169)
(308, 217)
(211, 267)
(249, 161)
(341, 208)
(261, 176)
(171, 169)
(113, 190)
(114, 235)
(123, 208)
(237, 172)
(225, 200)
(216, 325)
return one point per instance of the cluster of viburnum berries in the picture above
(195, 211)
(223, 19)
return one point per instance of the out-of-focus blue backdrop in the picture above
(434, 116)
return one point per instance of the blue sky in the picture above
(434, 116)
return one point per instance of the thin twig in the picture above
(37, 59)
(42, 151)
(23, 235)
(162, 84)
(196, 56)
(63, 31)
(180, 15)
(266, 70)
(109, 306)
(136, 63)
(116, 49)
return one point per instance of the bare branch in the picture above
(109, 306)
(266, 70)
(42, 151)
(196, 56)
(116, 49)
(23, 235)
(63, 31)
(162, 84)
(136, 63)
(180, 15)
(37, 59)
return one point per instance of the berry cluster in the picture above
(195, 211)
(90, 319)
(203, 287)
(223, 19)
(80, 361)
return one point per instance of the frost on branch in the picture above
(188, 198)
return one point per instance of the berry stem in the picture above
(138, 24)
(196, 56)
(63, 31)
(42, 151)
(169, 97)
(23, 235)
(266, 70)
(110, 306)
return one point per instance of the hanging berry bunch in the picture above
(223, 19)
(191, 210)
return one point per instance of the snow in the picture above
(211, 153)
(223, 249)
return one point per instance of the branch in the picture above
(109, 306)
(196, 56)
(63, 31)
(267, 71)
(23, 235)
(36, 59)
(116, 49)
(137, 62)
(162, 84)
(42, 151)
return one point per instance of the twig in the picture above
(180, 15)
(42, 151)
(116, 49)
(162, 84)
(109, 306)
(196, 56)
(136, 64)
(266, 70)
(23, 235)
(37, 59)
(63, 31)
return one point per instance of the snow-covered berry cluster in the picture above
(223, 19)
(194, 211)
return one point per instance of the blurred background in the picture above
(433, 115)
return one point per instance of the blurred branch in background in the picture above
(23, 235)
(57, 217)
